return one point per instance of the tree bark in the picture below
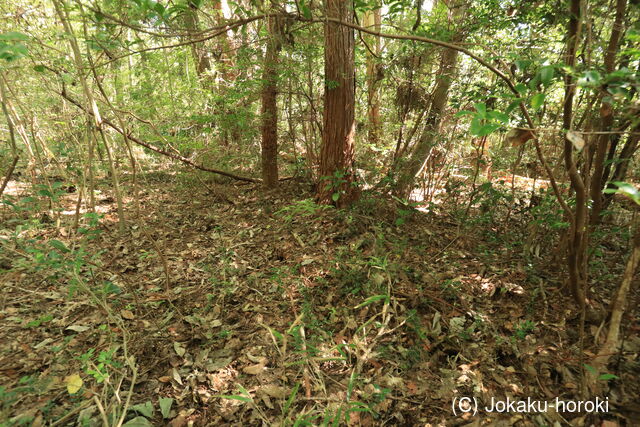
(337, 152)
(269, 104)
(415, 164)
(373, 19)
(577, 233)
(192, 23)
(618, 306)
(606, 115)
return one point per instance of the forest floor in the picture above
(229, 305)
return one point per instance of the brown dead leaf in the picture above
(178, 421)
(412, 387)
(253, 369)
(275, 391)
(127, 314)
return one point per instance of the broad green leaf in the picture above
(522, 64)
(499, 116)
(145, 409)
(537, 100)
(165, 406)
(546, 75)
(14, 36)
(521, 88)
(476, 125)
(306, 12)
(57, 244)
(335, 197)
(626, 189)
(590, 79)
(138, 422)
(488, 129)
(20, 49)
(39, 68)
(481, 108)
(513, 105)
(465, 113)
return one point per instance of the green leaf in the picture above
(537, 100)
(159, 8)
(235, 397)
(138, 422)
(306, 12)
(20, 49)
(546, 75)
(521, 88)
(352, 381)
(607, 377)
(57, 244)
(244, 391)
(39, 68)
(488, 129)
(145, 409)
(522, 64)
(335, 197)
(513, 105)
(291, 398)
(372, 299)
(499, 116)
(476, 125)
(626, 189)
(481, 108)
(14, 36)
(590, 79)
(165, 406)
(465, 113)
(590, 369)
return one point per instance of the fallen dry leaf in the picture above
(275, 391)
(73, 383)
(254, 369)
(127, 314)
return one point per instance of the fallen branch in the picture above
(157, 149)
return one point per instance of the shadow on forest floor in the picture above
(226, 305)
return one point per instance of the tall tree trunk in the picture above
(269, 104)
(61, 9)
(446, 72)
(198, 52)
(373, 20)
(606, 115)
(337, 152)
(578, 232)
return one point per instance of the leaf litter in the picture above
(279, 311)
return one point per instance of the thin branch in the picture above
(158, 150)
